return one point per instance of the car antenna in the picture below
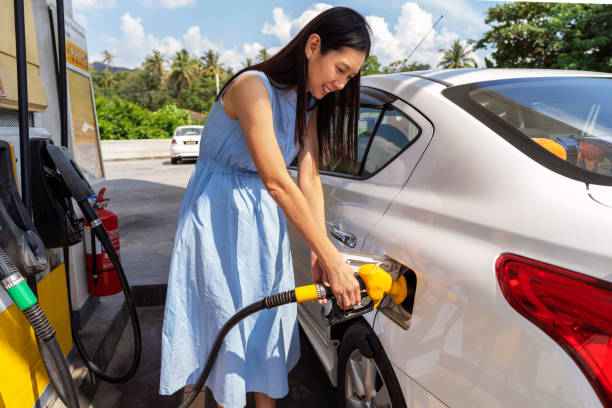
(425, 36)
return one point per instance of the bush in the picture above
(120, 119)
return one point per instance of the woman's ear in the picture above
(313, 45)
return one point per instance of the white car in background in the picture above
(491, 192)
(185, 143)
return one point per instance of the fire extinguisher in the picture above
(101, 274)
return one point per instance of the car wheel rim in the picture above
(364, 386)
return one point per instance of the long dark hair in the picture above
(338, 112)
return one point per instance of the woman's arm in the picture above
(309, 183)
(247, 99)
(309, 180)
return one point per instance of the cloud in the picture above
(81, 5)
(391, 40)
(198, 45)
(413, 25)
(251, 50)
(461, 12)
(135, 44)
(284, 28)
(172, 4)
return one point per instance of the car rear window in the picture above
(188, 132)
(568, 117)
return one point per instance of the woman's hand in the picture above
(319, 275)
(343, 283)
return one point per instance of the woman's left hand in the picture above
(318, 273)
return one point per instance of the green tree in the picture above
(457, 56)
(550, 35)
(106, 79)
(263, 55)
(248, 62)
(154, 65)
(107, 58)
(212, 66)
(403, 66)
(370, 66)
(183, 71)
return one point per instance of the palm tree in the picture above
(212, 67)
(107, 80)
(107, 58)
(154, 65)
(248, 62)
(183, 70)
(457, 56)
(263, 55)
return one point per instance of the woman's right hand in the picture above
(343, 283)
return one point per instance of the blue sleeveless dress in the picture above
(231, 249)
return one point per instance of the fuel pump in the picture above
(22, 254)
(60, 183)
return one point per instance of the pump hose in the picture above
(268, 302)
(102, 235)
(50, 351)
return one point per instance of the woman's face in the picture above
(330, 72)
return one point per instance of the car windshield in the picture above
(569, 117)
(190, 131)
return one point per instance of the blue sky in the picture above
(132, 29)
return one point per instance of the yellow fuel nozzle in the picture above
(379, 283)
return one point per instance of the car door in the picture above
(392, 138)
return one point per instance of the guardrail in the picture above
(135, 149)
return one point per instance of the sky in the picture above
(132, 29)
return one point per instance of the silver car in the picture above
(490, 190)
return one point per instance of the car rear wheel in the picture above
(365, 375)
(174, 160)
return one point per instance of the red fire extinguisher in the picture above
(101, 274)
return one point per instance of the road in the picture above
(146, 195)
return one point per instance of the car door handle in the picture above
(345, 237)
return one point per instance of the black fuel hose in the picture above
(268, 302)
(96, 225)
(50, 351)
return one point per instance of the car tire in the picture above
(365, 375)
(174, 160)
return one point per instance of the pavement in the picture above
(146, 195)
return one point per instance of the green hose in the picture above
(52, 356)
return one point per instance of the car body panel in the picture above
(601, 194)
(354, 206)
(472, 197)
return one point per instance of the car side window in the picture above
(365, 127)
(394, 133)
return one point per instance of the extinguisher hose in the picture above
(92, 218)
(50, 351)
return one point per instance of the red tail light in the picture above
(574, 309)
(173, 141)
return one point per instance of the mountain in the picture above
(100, 66)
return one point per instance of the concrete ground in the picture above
(146, 195)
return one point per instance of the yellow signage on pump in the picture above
(76, 56)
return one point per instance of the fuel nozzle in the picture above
(378, 283)
(373, 280)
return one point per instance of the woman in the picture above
(231, 247)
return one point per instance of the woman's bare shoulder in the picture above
(245, 92)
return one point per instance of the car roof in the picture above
(452, 77)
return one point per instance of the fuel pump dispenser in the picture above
(60, 183)
(22, 255)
